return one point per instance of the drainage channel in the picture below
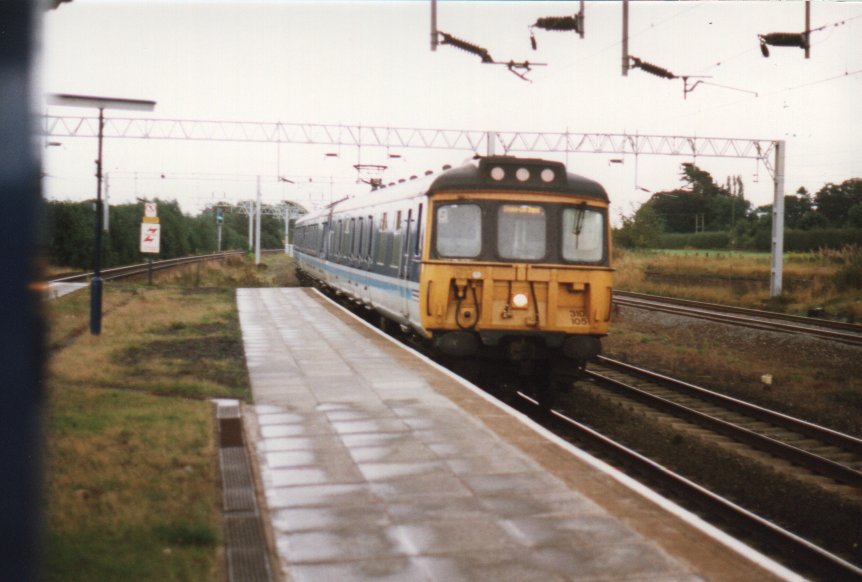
(245, 544)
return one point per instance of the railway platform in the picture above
(375, 463)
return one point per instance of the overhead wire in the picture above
(846, 73)
(701, 111)
(631, 36)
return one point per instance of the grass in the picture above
(131, 466)
(142, 349)
(128, 474)
(810, 280)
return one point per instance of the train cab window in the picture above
(521, 232)
(583, 234)
(459, 230)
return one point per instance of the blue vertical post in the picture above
(21, 325)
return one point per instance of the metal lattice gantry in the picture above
(402, 137)
(770, 152)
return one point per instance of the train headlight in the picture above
(520, 301)
(522, 174)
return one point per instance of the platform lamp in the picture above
(101, 103)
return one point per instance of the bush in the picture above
(699, 240)
(827, 238)
(850, 275)
(797, 241)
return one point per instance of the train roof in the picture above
(511, 173)
(492, 173)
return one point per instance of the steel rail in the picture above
(140, 268)
(834, 330)
(804, 458)
(804, 427)
(814, 321)
(712, 505)
(789, 544)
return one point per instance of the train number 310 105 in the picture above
(579, 317)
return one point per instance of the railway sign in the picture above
(150, 209)
(151, 234)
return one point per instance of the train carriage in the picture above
(503, 263)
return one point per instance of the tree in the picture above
(699, 181)
(641, 230)
(854, 215)
(70, 228)
(834, 201)
(701, 203)
(796, 207)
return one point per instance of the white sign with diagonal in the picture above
(151, 234)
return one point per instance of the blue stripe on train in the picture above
(391, 286)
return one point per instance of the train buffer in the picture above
(376, 463)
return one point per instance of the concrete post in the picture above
(257, 227)
(777, 223)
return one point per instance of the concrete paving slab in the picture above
(379, 466)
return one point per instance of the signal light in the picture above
(219, 217)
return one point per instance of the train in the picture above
(502, 264)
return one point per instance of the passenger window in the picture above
(459, 230)
(417, 250)
(368, 243)
(380, 242)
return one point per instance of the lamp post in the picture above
(101, 103)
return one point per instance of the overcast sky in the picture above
(370, 63)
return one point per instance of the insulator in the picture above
(467, 46)
(764, 50)
(652, 69)
(533, 40)
(797, 39)
(559, 23)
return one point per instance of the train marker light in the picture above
(498, 173)
(523, 174)
(548, 175)
(520, 301)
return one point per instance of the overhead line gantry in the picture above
(770, 152)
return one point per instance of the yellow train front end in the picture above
(516, 269)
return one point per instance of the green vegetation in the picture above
(830, 280)
(132, 487)
(131, 467)
(704, 215)
(70, 232)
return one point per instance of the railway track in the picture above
(142, 268)
(714, 507)
(761, 532)
(817, 449)
(849, 333)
